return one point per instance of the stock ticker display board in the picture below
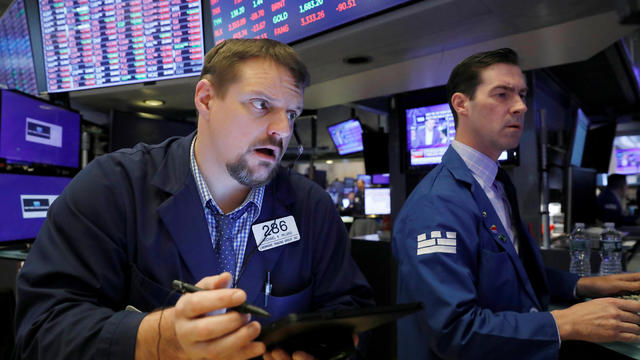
(97, 43)
(16, 70)
(287, 20)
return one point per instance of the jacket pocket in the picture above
(498, 287)
(147, 295)
(280, 306)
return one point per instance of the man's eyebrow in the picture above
(510, 88)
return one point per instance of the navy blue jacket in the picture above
(481, 299)
(132, 222)
(610, 209)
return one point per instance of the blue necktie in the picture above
(224, 240)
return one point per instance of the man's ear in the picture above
(204, 94)
(460, 103)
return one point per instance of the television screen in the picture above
(365, 178)
(377, 201)
(24, 205)
(627, 154)
(597, 147)
(347, 136)
(579, 138)
(91, 44)
(287, 21)
(430, 130)
(35, 131)
(380, 179)
(17, 70)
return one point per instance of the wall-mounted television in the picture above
(24, 205)
(346, 136)
(380, 179)
(36, 132)
(598, 145)
(16, 71)
(377, 201)
(93, 44)
(430, 130)
(627, 154)
(288, 21)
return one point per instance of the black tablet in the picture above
(328, 335)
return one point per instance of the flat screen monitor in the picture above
(380, 179)
(627, 154)
(430, 131)
(365, 178)
(346, 136)
(16, 71)
(377, 201)
(290, 20)
(24, 205)
(579, 138)
(580, 197)
(93, 44)
(598, 146)
(35, 131)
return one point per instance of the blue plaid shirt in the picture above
(251, 207)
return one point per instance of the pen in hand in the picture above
(244, 308)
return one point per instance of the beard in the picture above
(240, 170)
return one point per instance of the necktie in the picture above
(224, 240)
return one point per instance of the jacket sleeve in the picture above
(456, 323)
(71, 288)
(562, 284)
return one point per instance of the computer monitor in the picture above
(288, 21)
(578, 139)
(346, 136)
(365, 178)
(377, 201)
(34, 131)
(580, 201)
(430, 130)
(24, 205)
(94, 44)
(17, 70)
(626, 150)
(380, 179)
(598, 146)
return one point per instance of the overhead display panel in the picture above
(97, 43)
(16, 71)
(287, 20)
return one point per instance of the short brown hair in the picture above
(221, 62)
(465, 77)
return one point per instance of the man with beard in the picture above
(463, 250)
(202, 209)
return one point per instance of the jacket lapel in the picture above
(490, 218)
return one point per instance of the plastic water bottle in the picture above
(610, 250)
(580, 251)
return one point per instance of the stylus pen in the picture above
(245, 308)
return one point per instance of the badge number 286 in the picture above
(274, 233)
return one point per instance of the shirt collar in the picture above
(482, 167)
(255, 196)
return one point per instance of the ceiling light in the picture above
(357, 59)
(153, 102)
(329, 162)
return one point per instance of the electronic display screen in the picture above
(430, 130)
(17, 70)
(627, 154)
(287, 20)
(35, 131)
(365, 178)
(25, 201)
(347, 136)
(377, 201)
(380, 179)
(579, 138)
(97, 43)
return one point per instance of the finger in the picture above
(301, 355)
(628, 328)
(213, 327)
(221, 281)
(628, 337)
(231, 343)
(629, 317)
(267, 356)
(253, 349)
(627, 305)
(202, 302)
(279, 354)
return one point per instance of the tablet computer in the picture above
(328, 335)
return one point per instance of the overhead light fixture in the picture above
(357, 59)
(153, 102)
(329, 162)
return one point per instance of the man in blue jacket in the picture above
(213, 208)
(462, 248)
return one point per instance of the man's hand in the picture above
(599, 286)
(279, 354)
(600, 320)
(188, 332)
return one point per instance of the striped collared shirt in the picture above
(484, 170)
(251, 208)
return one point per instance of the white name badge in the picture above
(274, 233)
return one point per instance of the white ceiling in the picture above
(414, 47)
